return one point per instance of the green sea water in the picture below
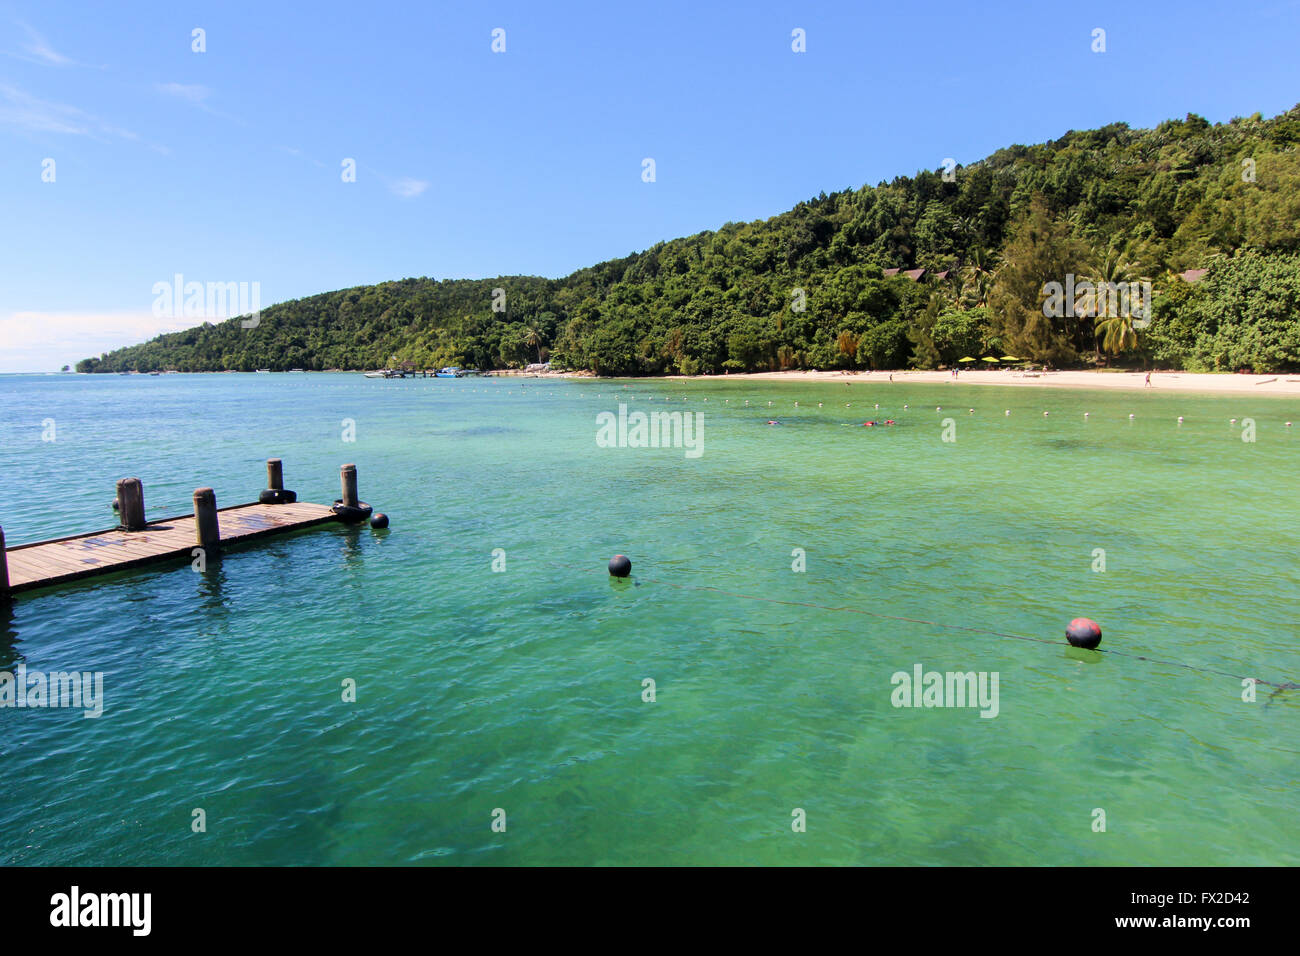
(523, 690)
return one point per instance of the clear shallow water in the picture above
(522, 690)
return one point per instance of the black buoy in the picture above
(114, 504)
(620, 566)
(379, 520)
(1083, 632)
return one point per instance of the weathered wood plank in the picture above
(66, 559)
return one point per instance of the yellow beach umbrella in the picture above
(989, 358)
(966, 359)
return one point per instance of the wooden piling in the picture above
(207, 529)
(4, 567)
(274, 493)
(348, 474)
(130, 504)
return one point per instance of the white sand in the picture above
(1206, 383)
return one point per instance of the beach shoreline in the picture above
(1282, 384)
(1205, 383)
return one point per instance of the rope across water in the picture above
(1279, 685)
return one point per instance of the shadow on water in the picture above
(350, 536)
(9, 655)
(211, 587)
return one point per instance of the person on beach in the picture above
(1148, 384)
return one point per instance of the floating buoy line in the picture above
(1279, 686)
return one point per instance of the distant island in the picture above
(922, 272)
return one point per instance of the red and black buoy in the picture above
(620, 566)
(1083, 632)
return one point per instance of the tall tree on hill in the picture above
(533, 339)
(848, 345)
(977, 276)
(1112, 322)
(925, 354)
(1039, 251)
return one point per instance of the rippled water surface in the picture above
(523, 689)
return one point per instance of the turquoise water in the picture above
(522, 689)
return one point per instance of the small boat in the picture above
(297, 370)
(451, 371)
(263, 371)
(376, 375)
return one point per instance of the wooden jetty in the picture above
(137, 541)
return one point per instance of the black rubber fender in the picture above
(277, 496)
(350, 514)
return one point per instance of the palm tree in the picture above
(533, 339)
(1115, 333)
(978, 276)
(1113, 266)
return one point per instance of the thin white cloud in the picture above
(405, 187)
(193, 93)
(408, 188)
(292, 151)
(21, 111)
(39, 50)
(45, 341)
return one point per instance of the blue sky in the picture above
(225, 165)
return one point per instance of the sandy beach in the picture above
(1199, 382)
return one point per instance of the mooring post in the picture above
(274, 474)
(130, 504)
(207, 530)
(349, 475)
(274, 493)
(4, 567)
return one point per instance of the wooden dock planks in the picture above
(67, 559)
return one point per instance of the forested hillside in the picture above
(808, 288)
